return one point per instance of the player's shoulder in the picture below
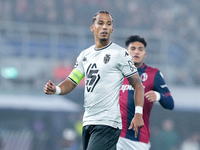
(119, 50)
(87, 50)
(152, 69)
(92, 47)
(117, 47)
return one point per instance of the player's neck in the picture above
(101, 44)
(137, 65)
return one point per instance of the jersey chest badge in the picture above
(106, 58)
(144, 77)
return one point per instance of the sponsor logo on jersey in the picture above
(127, 87)
(106, 58)
(144, 77)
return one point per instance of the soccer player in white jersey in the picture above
(104, 66)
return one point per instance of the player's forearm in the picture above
(166, 102)
(139, 95)
(66, 86)
(138, 89)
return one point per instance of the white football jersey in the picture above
(104, 70)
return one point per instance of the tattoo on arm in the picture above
(133, 80)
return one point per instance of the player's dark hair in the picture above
(135, 38)
(99, 12)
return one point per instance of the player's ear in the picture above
(145, 54)
(92, 27)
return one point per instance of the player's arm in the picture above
(137, 122)
(160, 93)
(134, 80)
(66, 86)
(166, 102)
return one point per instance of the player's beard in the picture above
(103, 39)
(137, 64)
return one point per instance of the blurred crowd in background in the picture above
(179, 17)
(162, 16)
(40, 39)
(172, 24)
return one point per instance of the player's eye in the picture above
(100, 23)
(109, 23)
(141, 48)
(133, 48)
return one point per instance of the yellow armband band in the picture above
(76, 76)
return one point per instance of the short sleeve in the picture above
(125, 64)
(79, 65)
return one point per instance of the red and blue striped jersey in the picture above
(152, 79)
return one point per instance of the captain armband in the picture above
(76, 76)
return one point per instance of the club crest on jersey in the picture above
(144, 77)
(106, 58)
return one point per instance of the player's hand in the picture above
(49, 88)
(137, 123)
(151, 96)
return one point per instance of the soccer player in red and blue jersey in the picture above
(155, 90)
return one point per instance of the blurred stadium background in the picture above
(40, 40)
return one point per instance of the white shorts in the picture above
(126, 144)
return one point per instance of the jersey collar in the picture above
(143, 66)
(103, 47)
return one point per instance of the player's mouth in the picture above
(104, 33)
(136, 57)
